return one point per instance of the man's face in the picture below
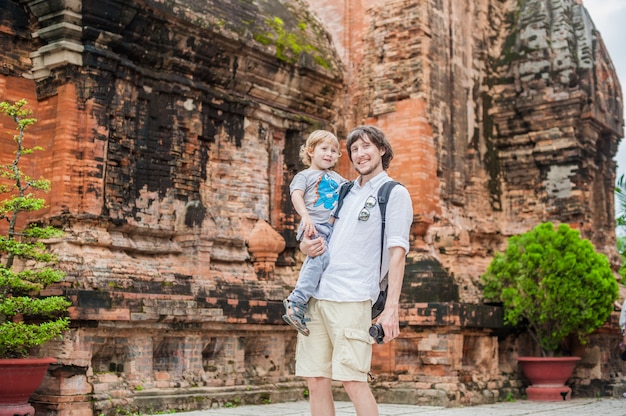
(366, 157)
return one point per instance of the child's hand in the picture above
(308, 227)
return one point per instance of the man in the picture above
(339, 346)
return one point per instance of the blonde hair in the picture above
(314, 139)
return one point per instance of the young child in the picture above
(314, 193)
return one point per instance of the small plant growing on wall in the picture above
(27, 319)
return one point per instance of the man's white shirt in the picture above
(354, 269)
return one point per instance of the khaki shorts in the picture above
(339, 345)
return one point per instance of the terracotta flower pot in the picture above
(20, 378)
(547, 376)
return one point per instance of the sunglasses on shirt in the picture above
(364, 215)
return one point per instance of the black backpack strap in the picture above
(383, 198)
(343, 191)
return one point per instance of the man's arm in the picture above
(389, 317)
(399, 219)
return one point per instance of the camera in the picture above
(376, 332)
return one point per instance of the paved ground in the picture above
(575, 407)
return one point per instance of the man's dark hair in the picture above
(374, 135)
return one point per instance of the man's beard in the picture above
(365, 171)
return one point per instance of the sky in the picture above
(609, 16)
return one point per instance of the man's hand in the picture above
(390, 322)
(312, 247)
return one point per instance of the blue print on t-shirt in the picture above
(327, 192)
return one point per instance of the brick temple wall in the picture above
(172, 131)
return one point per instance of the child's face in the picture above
(324, 155)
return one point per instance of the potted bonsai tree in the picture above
(555, 284)
(27, 319)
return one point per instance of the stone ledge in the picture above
(216, 397)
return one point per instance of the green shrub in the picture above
(27, 320)
(553, 282)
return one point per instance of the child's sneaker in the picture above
(294, 316)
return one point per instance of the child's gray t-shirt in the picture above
(321, 191)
